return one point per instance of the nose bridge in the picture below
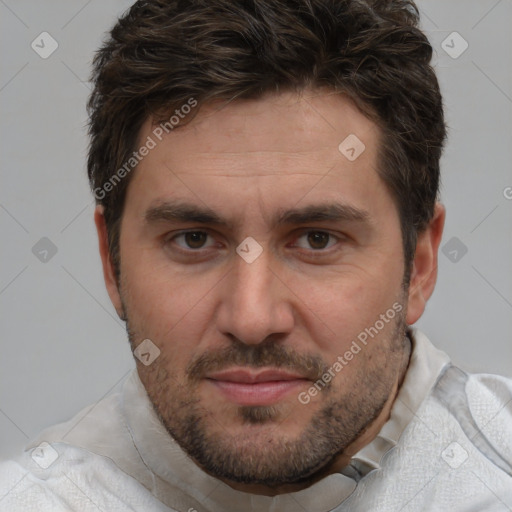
(254, 305)
(252, 281)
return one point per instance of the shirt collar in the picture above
(163, 456)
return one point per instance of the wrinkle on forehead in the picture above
(282, 146)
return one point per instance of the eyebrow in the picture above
(179, 211)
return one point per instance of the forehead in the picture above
(278, 148)
(305, 123)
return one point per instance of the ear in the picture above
(108, 268)
(424, 269)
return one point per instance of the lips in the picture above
(264, 387)
(245, 376)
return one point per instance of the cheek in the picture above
(337, 309)
(154, 291)
(161, 301)
(170, 308)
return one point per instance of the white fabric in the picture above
(431, 455)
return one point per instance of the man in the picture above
(266, 175)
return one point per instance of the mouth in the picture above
(264, 387)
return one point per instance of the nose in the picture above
(255, 302)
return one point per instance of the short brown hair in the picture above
(161, 53)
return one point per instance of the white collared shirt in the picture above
(446, 446)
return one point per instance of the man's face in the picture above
(243, 341)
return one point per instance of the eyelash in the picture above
(199, 252)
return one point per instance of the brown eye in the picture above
(318, 239)
(191, 240)
(195, 239)
(318, 243)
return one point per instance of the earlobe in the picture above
(108, 267)
(424, 269)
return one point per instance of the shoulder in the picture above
(491, 388)
(490, 402)
(58, 477)
(480, 406)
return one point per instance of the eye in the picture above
(191, 240)
(317, 240)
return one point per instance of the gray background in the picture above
(62, 346)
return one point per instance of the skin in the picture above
(302, 301)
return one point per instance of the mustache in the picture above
(256, 356)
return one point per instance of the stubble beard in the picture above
(267, 457)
